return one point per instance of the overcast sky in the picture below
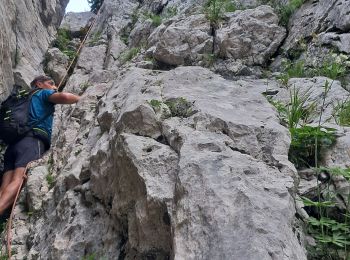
(77, 6)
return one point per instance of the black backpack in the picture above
(14, 114)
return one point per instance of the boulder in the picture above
(57, 64)
(183, 41)
(251, 35)
(77, 23)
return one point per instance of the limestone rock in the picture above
(181, 42)
(37, 186)
(178, 187)
(27, 30)
(339, 41)
(251, 35)
(316, 17)
(57, 64)
(315, 87)
(76, 23)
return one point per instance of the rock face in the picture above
(76, 22)
(251, 35)
(316, 17)
(136, 177)
(173, 161)
(27, 30)
(174, 44)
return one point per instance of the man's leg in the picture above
(6, 179)
(9, 193)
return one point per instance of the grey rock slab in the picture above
(315, 17)
(183, 41)
(37, 187)
(27, 29)
(251, 35)
(57, 64)
(339, 41)
(77, 22)
(315, 87)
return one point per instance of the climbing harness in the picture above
(24, 176)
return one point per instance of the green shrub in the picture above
(341, 113)
(155, 103)
(170, 12)
(95, 5)
(50, 180)
(286, 11)
(62, 40)
(331, 232)
(156, 20)
(300, 108)
(95, 38)
(180, 107)
(302, 151)
(298, 111)
(331, 69)
(215, 9)
(129, 54)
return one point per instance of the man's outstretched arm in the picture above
(63, 98)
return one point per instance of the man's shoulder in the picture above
(43, 94)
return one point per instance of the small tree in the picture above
(95, 5)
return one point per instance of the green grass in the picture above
(130, 54)
(62, 43)
(50, 180)
(341, 113)
(284, 11)
(298, 111)
(95, 38)
(330, 68)
(215, 10)
(303, 151)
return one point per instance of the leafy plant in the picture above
(332, 235)
(95, 5)
(50, 180)
(215, 9)
(156, 19)
(341, 113)
(292, 70)
(155, 103)
(298, 111)
(95, 38)
(62, 39)
(62, 42)
(130, 54)
(180, 107)
(331, 69)
(286, 11)
(300, 108)
(303, 151)
(170, 12)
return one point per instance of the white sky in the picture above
(77, 6)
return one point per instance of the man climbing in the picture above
(36, 142)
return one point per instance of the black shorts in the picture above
(21, 153)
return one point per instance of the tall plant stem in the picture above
(327, 88)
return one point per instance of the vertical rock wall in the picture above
(27, 28)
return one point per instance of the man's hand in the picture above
(63, 98)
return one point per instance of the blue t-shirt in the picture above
(40, 107)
